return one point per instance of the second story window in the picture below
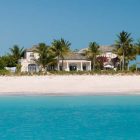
(32, 55)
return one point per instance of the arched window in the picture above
(32, 68)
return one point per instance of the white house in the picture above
(28, 63)
(74, 61)
(105, 52)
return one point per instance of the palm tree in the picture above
(138, 50)
(138, 47)
(16, 53)
(60, 48)
(131, 54)
(66, 48)
(2, 63)
(57, 49)
(123, 43)
(92, 52)
(45, 57)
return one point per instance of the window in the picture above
(32, 68)
(32, 55)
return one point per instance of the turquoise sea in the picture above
(70, 118)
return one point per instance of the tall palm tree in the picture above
(92, 52)
(138, 47)
(16, 53)
(138, 50)
(131, 54)
(57, 49)
(2, 63)
(60, 48)
(123, 43)
(66, 48)
(45, 57)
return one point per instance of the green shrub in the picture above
(132, 68)
(83, 72)
(4, 72)
(2, 64)
(18, 68)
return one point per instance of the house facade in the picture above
(106, 56)
(28, 63)
(74, 61)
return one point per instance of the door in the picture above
(73, 67)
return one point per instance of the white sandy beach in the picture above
(70, 85)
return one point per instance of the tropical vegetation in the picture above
(125, 49)
(15, 54)
(124, 46)
(60, 48)
(92, 52)
(45, 56)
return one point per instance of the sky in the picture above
(29, 22)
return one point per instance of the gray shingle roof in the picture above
(106, 48)
(78, 55)
(32, 49)
(103, 49)
(74, 56)
(70, 56)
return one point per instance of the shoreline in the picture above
(68, 94)
(71, 85)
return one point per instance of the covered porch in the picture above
(75, 65)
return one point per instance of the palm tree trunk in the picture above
(128, 66)
(43, 69)
(123, 65)
(46, 70)
(120, 64)
(136, 63)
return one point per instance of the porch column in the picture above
(81, 66)
(67, 67)
(89, 68)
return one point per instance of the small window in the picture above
(31, 54)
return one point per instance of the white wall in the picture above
(67, 63)
(29, 57)
(30, 60)
(108, 55)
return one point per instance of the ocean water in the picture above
(70, 118)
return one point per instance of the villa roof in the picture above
(77, 55)
(70, 56)
(74, 56)
(103, 49)
(106, 48)
(31, 49)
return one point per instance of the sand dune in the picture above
(70, 85)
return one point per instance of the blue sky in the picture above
(28, 22)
